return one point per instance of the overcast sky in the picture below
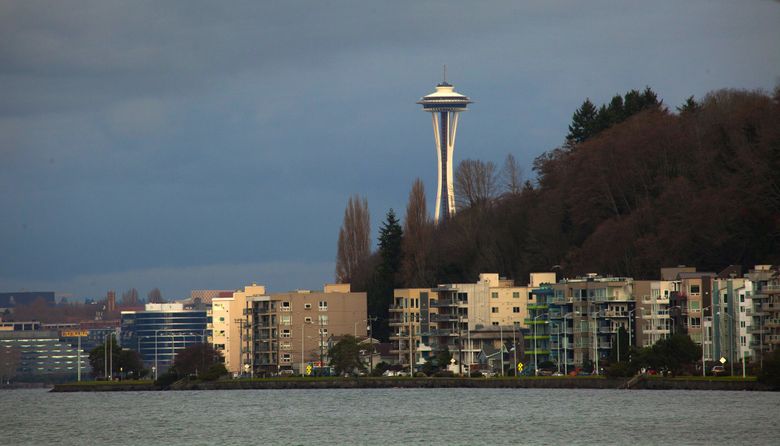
(187, 145)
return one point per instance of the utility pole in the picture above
(78, 359)
(371, 319)
(460, 346)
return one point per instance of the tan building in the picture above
(410, 315)
(431, 320)
(652, 322)
(290, 330)
(229, 325)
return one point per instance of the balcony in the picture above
(535, 321)
(441, 332)
(396, 308)
(444, 317)
(537, 306)
(615, 313)
(537, 337)
(537, 352)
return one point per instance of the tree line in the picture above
(635, 186)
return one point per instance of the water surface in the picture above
(390, 416)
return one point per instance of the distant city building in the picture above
(229, 316)
(162, 330)
(444, 105)
(40, 355)
(10, 300)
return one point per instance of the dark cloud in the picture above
(137, 136)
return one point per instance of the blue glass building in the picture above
(161, 331)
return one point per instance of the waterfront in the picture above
(395, 416)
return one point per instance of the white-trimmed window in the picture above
(307, 320)
(323, 305)
(515, 309)
(307, 306)
(286, 357)
(285, 346)
(323, 319)
(286, 320)
(286, 306)
(286, 333)
(494, 295)
(494, 309)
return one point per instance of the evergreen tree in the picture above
(690, 106)
(583, 122)
(390, 237)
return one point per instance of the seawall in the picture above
(424, 383)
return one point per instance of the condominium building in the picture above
(411, 314)
(39, 354)
(231, 334)
(765, 336)
(461, 309)
(585, 316)
(732, 320)
(290, 331)
(652, 321)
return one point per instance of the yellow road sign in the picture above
(519, 366)
(308, 370)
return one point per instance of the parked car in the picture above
(718, 370)
(558, 374)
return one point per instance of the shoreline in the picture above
(642, 383)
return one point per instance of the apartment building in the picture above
(732, 320)
(231, 335)
(651, 318)
(446, 317)
(584, 317)
(290, 331)
(411, 314)
(765, 335)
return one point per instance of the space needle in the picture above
(444, 105)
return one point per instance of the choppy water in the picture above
(389, 416)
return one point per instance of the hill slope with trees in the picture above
(635, 187)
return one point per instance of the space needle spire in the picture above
(444, 105)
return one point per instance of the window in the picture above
(693, 305)
(286, 306)
(494, 309)
(222, 319)
(515, 295)
(307, 320)
(286, 357)
(323, 305)
(516, 323)
(742, 298)
(285, 319)
(495, 324)
(286, 333)
(323, 319)
(515, 309)
(741, 308)
(494, 295)
(695, 289)
(743, 340)
(285, 346)
(323, 331)
(307, 306)
(742, 324)
(463, 297)
(725, 298)
(695, 321)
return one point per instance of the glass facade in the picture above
(159, 335)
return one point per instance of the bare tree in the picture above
(512, 176)
(155, 296)
(475, 183)
(130, 298)
(418, 229)
(354, 244)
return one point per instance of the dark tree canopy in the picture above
(345, 356)
(196, 359)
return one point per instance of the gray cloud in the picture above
(147, 135)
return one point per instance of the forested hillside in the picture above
(636, 186)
